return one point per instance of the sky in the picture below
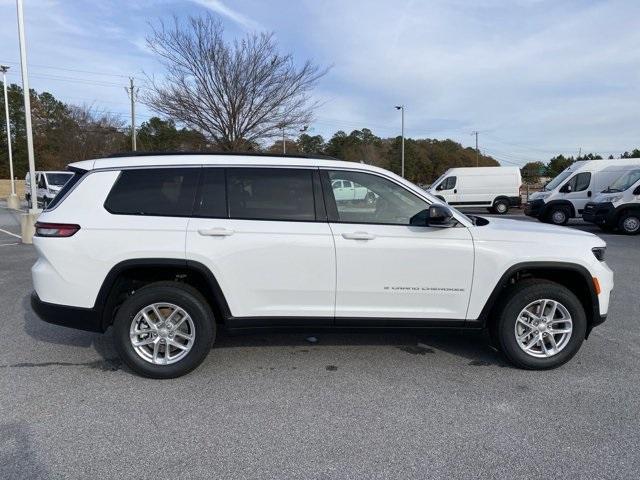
(535, 78)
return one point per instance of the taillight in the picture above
(55, 229)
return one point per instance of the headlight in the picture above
(598, 252)
(540, 195)
(615, 198)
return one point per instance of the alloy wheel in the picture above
(631, 224)
(162, 333)
(543, 328)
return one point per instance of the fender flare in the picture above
(105, 302)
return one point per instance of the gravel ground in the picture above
(349, 406)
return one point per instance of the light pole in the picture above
(29, 220)
(401, 108)
(12, 200)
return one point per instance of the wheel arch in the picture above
(571, 275)
(558, 203)
(129, 275)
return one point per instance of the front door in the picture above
(580, 190)
(389, 272)
(262, 235)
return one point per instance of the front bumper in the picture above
(533, 208)
(73, 317)
(600, 213)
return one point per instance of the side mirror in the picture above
(637, 190)
(435, 216)
(439, 187)
(566, 188)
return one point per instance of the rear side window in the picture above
(75, 178)
(270, 194)
(163, 192)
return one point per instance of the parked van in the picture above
(48, 185)
(566, 196)
(617, 207)
(497, 188)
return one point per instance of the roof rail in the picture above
(239, 154)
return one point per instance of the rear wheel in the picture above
(501, 206)
(541, 324)
(164, 330)
(629, 223)
(559, 215)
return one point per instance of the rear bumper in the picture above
(534, 208)
(73, 317)
(600, 213)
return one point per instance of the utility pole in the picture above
(12, 200)
(284, 143)
(27, 233)
(401, 108)
(579, 152)
(477, 151)
(133, 93)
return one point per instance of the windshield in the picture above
(625, 181)
(557, 181)
(58, 179)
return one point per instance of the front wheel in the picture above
(629, 223)
(164, 330)
(501, 206)
(559, 215)
(541, 324)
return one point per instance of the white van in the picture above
(496, 188)
(617, 207)
(48, 185)
(566, 196)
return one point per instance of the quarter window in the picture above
(375, 200)
(163, 192)
(270, 194)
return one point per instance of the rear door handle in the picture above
(358, 236)
(215, 232)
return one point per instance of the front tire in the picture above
(541, 324)
(629, 223)
(164, 330)
(501, 206)
(559, 215)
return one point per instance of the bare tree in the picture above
(237, 92)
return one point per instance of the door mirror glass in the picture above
(435, 216)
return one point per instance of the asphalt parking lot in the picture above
(428, 405)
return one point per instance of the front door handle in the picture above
(358, 236)
(589, 193)
(455, 190)
(215, 232)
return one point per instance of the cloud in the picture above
(219, 7)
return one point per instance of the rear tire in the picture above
(559, 215)
(558, 310)
(501, 206)
(198, 324)
(629, 223)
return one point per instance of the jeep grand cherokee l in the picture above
(167, 249)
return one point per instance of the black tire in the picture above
(187, 298)
(501, 206)
(559, 215)
(629, 223)
(514, 300)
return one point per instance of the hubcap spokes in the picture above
(162, 333)
(543, 328)
(631, 224)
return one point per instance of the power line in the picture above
(91, 72)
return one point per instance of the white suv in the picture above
(169, 248)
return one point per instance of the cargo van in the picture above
(617, 207)
(496, 188)
(48, 184)
(566, 195)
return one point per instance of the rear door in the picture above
(263, 233)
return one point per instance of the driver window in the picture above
(375, 200)
(580, 182)
(448, 183)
